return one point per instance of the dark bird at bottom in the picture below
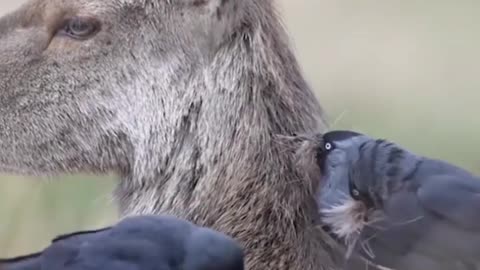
(395, 208)
(137, 243)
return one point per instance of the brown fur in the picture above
(181, 98)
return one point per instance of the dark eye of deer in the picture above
(80, 27)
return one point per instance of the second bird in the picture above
(396, 208)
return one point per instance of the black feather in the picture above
(142, 242)
(339, 135)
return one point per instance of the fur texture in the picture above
(347, 220)
(182, 99)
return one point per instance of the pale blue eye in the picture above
(328, 146)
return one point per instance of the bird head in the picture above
(343, 198)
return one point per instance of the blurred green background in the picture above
(403, 70)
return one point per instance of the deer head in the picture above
(182, 99)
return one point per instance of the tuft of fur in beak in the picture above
(346, 220)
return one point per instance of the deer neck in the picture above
(221, 166)
(221, 140)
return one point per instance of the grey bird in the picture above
(137, 243)
(395, 208)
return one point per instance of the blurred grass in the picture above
(402, 70)
(34, 211)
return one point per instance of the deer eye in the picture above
(80, 27)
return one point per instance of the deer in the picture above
(183, 100)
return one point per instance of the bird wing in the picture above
(80, 236)
(26, 262)
(412, 235)
(454, 199)
(210, 250)
(140, 243)
(33, 261)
